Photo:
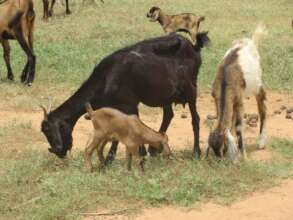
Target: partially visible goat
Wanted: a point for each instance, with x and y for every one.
(238, 75)
(17, 23)
(185, 22)
(49, 12)
(112, 125)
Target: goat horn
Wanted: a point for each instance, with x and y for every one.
(50, 104)
(45, 113)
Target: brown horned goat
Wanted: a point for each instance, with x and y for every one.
(17, 23)
(238, 76)
(112, 125)
(185, 22)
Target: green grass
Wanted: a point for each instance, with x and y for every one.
(38, 187)
(68, 47)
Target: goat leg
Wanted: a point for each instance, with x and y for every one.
(112, 153)
(6, 56)
(192, 94)
(67, 8)
(168, 114)
(26, 48)
(262, 110)
(129, 159)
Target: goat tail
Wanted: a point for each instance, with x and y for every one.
(202, 40)
(89, 110)
(259, 33)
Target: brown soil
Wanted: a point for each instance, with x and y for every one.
(275, 204)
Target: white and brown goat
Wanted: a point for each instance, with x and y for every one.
(239, 75)
(113, 125)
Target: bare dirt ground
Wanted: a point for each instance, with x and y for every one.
(275, 204)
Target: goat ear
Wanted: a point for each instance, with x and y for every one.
(45, 113)
(201, 18)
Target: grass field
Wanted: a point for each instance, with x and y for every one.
(68, 47)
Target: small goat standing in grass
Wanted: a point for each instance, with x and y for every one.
(238, 76)
(185, 22)
(112, 125)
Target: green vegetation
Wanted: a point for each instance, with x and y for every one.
(68, 47)
(38, 187)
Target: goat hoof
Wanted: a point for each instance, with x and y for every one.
(10, 77)
(153, 151)
(68, 12)
(197, 156)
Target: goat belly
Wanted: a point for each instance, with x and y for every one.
(7, 36)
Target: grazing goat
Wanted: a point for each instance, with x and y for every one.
(157, 72)
(185, 22)
(238, 76)
(113, 125)
(17, 23)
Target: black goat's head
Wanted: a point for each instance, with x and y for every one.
(58, 134)
(153, 13)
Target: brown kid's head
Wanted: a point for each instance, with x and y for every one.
(153, 13)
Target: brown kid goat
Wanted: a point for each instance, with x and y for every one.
(185, 22)
(17, 23)
(238, 76)
(113, 125)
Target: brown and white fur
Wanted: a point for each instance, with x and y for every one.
(185, 22)
(112, 125)
(239, 75)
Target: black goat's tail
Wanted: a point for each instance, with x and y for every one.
(202, 40)
(89, 110)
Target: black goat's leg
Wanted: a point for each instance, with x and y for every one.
(6, 55)
(192, 95)
(168, 114)
(67, 8)
(112, 153)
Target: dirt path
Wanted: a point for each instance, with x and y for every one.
(180, 131)
(275, 204)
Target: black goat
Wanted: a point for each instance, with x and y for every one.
(156, 72)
